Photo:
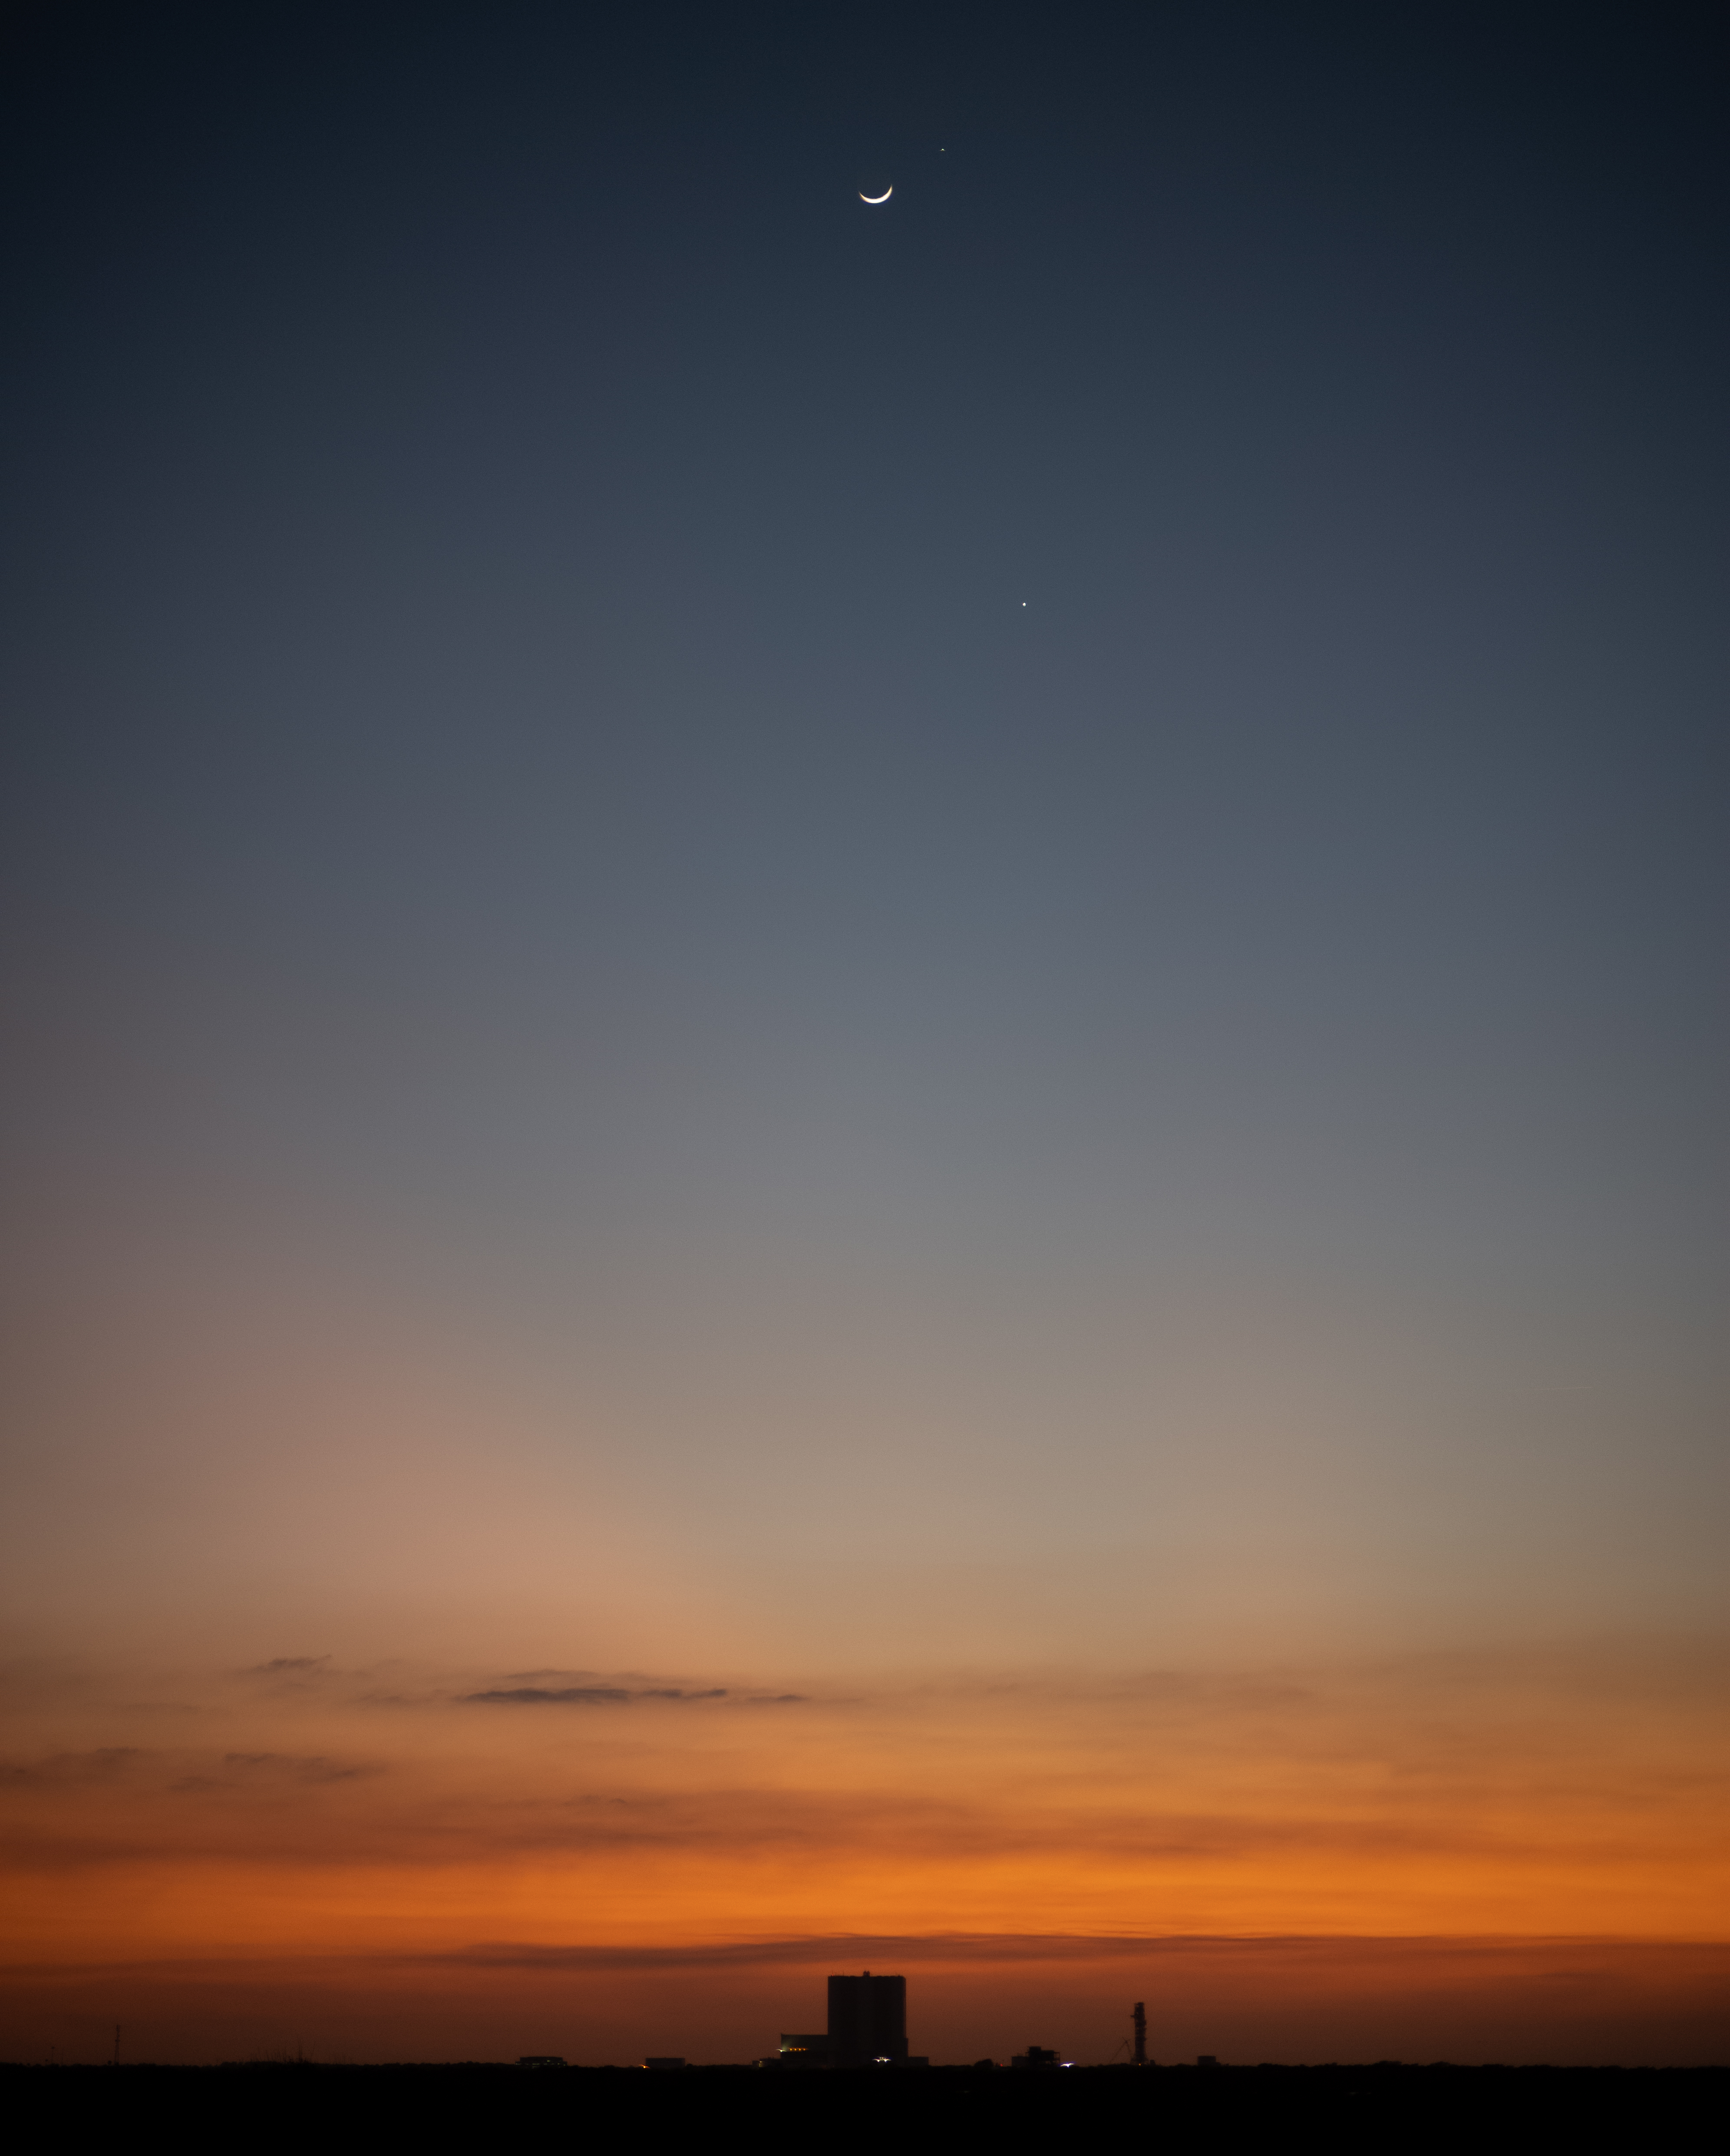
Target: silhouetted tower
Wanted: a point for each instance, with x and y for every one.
(1140, 2019)
(867, 2020)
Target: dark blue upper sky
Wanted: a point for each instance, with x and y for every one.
(654, 752)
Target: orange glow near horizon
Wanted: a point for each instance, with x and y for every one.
(298, 1821)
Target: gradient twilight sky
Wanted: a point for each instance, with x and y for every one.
(867, 1065)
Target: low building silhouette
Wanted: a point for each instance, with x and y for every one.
(867, 2027)
(1036, 2055)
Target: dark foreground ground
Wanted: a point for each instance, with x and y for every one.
(1228, 2107)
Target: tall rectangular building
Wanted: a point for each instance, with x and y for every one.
(867, 2020)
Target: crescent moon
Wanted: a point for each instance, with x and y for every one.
(883, 197)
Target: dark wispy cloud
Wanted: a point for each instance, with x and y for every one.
(1572, 1959)
(621, 1695)
(103, 1765)
(293, 1673)
(584, 1694)
(285, 1766)
(141, 1773)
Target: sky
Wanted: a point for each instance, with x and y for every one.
(865, 1063)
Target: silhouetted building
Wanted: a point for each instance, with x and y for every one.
(541, 2059)
(1036, 2055)
(1138, 2022)
(868, 2020)
(867, 2027)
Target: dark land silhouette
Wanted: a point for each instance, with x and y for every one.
(1352, 2104)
